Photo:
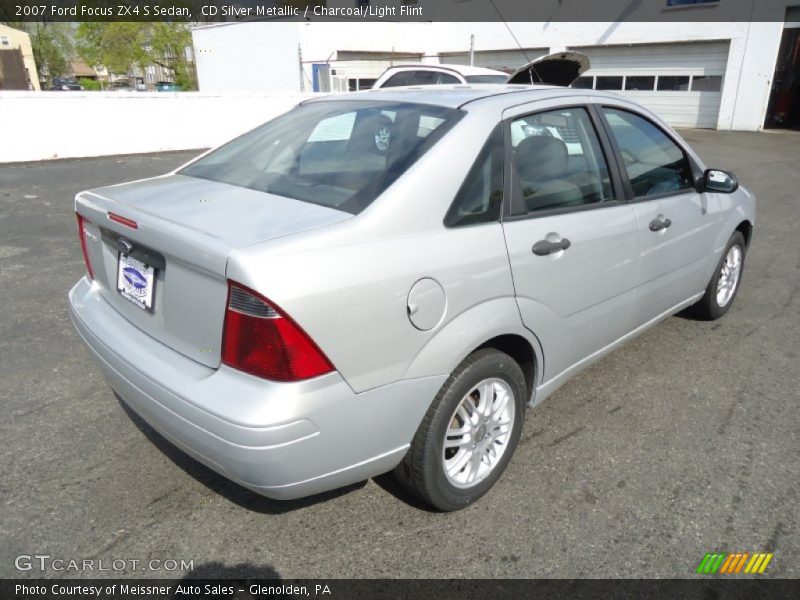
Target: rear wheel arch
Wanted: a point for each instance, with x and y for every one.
(492, 322)
(523, 353)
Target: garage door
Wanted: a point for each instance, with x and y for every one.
(680, 82)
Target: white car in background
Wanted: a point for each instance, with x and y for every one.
(560, 68)
(441, 74)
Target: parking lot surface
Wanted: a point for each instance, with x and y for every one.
(683, 442)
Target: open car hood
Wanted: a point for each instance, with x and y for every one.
(561, 68)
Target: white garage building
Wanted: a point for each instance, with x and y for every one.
(681, 81)
(695, 74)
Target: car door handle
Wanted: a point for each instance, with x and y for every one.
(545, 247)
(659, 223)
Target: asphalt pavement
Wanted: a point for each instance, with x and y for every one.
(683, 442)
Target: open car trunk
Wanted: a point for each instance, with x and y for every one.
(560, 68)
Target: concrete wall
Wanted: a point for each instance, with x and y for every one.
(46, 125)
(248, 57)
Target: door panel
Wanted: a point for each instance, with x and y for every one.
(572, 243)
(674, 259)
(676, 224)
(576, 300)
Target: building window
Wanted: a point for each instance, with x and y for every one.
(4, 41)
(355, 85)
(640, 82)
(583, 83)
(673, 83)
(706, 83)
(609, 82)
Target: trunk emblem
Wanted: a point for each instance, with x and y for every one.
(124, 246)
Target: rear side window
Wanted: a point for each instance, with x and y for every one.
(341, 154)
(481, 195)
(398, 79)
(654, 163)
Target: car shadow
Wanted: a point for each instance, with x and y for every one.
(690, 315)
(389, 484)
(234, 492)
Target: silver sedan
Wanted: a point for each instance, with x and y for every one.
(389, 279)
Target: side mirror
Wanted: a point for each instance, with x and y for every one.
(717, 180)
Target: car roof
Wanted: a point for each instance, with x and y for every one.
(456, 96)
(462, 69)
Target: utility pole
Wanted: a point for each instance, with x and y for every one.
(471, 49)
(300, 66)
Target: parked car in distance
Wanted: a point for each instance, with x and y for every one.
(167, 86)
(560, 68)
(388, 280)
(122, 85)
(65, 84)
(438, 74)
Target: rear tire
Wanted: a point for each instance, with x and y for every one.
(724, 285)
(478, 415)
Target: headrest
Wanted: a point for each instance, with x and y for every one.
(541, 157)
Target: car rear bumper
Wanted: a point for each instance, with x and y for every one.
(282, 440)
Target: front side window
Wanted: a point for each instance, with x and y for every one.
(654, 163)
(337, 154)
(558, 161)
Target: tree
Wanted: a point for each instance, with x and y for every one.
(167, 48)
(116, 46)
(122, 47)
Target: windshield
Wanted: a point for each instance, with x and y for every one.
(340, 154)
(486, 78)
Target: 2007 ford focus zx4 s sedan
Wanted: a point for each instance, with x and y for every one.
(389, 279)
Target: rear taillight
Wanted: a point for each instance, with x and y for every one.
(260, 339)
(82, 235)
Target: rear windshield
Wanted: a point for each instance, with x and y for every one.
(486, 78)
(341, 154)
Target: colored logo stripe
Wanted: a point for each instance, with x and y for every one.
(733, 563)
(758, 563)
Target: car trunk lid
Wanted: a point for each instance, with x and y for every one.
(184, 228)
(559, 68)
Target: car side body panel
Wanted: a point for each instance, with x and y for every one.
(367, 333)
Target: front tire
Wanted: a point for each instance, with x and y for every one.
(724, 285)
(467, 437)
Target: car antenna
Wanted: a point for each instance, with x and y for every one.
(532, 69)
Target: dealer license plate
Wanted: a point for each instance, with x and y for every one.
(136, 281)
